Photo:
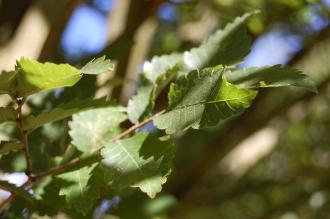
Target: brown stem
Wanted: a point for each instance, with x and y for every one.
(24, 134)
(137, 126)
(7, 200)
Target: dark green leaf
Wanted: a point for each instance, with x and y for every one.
(141, 161)
(202, 99)
(226, 47)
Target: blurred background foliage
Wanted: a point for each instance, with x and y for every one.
(270, 162)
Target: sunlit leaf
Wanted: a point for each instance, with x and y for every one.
(34, 76)
(98, 66)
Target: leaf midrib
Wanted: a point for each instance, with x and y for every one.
(209, 102)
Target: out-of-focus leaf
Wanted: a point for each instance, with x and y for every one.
(142, 161)
(16, 190)
(7, 114)
(98, 66)
(7, 82)
(140, 105)
(157, 74)
(89, 130)
(202, 99)
(158, 66)
(63, 111)
(9, 146)
(269, 76)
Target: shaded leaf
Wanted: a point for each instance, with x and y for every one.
(9, 146)
(7, 82)
(63, 111)
(226, 47)
(269, 76)
(89, 130)
(98, 66)
(7, 114)
(83, 187)
(142, 161)
(202, 99)
(16, 190)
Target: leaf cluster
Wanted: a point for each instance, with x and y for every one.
(100, 158)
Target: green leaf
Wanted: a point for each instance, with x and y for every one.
(142, 161)
(202, 99)
(34, 76)
(7, 114)
(97, 66)
(7, 82)
(16, 190)
(141, 104)
(90, 130)
(269, 76)
(157, 74)
(9, 146)
(226, 47)
(83, 189)
(63, 111)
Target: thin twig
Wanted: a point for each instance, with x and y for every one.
(137, 126)
(57, 170)
(7, 201)
(4, 203)
(24, 134)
